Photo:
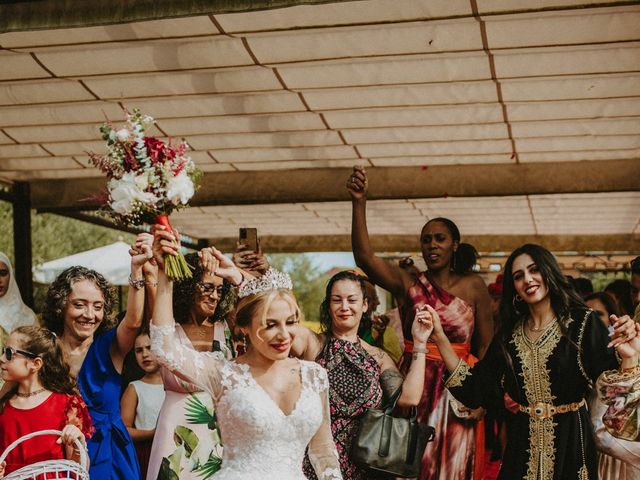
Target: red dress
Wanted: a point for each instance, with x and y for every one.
(58, 410)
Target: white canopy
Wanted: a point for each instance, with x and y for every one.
(112, 261)
(518, 120)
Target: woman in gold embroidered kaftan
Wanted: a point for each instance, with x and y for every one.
(550, 350)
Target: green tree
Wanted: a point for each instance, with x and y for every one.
(308, 281)
(54, 236)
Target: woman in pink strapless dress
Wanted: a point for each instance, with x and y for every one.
(463, 303)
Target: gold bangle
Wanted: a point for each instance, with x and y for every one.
(424, 350)
(634, 369)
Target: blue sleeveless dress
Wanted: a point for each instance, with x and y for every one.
(111, 451)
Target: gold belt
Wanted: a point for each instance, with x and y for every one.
(543, 410)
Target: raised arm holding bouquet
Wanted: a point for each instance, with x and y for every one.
(148, 178)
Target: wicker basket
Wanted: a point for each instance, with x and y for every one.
(58, 469)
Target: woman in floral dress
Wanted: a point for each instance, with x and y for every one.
(187, 442)
(361, 376)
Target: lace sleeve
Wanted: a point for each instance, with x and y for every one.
(200, 368)
(621, 393)
(322, 449)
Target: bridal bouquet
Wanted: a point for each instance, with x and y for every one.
(148, 178)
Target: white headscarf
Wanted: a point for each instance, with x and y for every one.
(13, 312)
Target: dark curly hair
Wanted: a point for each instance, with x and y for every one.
(54, 373)
(464, 258)
(60, 289)
(325, 313)
(184, 294)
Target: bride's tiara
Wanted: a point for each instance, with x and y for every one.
(271, 280)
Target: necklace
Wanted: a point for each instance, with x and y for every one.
(541, 327)
(30, 394)
(202, 328)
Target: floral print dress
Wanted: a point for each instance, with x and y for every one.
(187, 443)
(354, 387)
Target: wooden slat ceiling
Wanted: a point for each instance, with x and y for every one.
(381, 83)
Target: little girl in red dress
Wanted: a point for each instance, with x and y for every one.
(43, 397)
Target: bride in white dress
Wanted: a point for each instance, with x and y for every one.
(269, 407)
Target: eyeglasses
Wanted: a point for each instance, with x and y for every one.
(209, 288)
(10, 352)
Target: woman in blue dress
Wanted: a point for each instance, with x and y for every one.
(78, 309)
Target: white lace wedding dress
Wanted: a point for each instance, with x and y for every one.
(259, 440)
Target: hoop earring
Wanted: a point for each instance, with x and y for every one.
(516, 298)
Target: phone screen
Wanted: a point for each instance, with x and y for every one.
(249, 237)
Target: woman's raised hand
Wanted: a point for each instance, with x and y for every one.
(624, 330)
(422, 326)
(226, 268)
(208, 262)
(437, 335)
(165, 242)
(631, 348)
(141, 250)
(358, 183)
(249, 261)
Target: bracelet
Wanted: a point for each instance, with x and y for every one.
(634, 369)
(238, 285)
(424, 350)
(137, 284)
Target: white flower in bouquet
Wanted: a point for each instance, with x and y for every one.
(180, 188)
(146, 122)
(122, 196)
(123, 134)
(125, 192)
(142, 181)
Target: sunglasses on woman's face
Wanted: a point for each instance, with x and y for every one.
(208, 288)
(10, 352)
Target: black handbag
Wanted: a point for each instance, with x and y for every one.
(391, 445)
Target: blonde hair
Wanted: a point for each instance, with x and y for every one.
(257, 306)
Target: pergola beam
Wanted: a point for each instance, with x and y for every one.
(327, 184)
(47, 14)
(409, 243)
(185, 241)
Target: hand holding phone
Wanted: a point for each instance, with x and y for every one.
(249, 237)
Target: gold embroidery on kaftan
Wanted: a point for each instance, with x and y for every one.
(457, 377)
(537, 384)
(580, 335)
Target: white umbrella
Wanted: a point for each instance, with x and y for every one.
(113, 261)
